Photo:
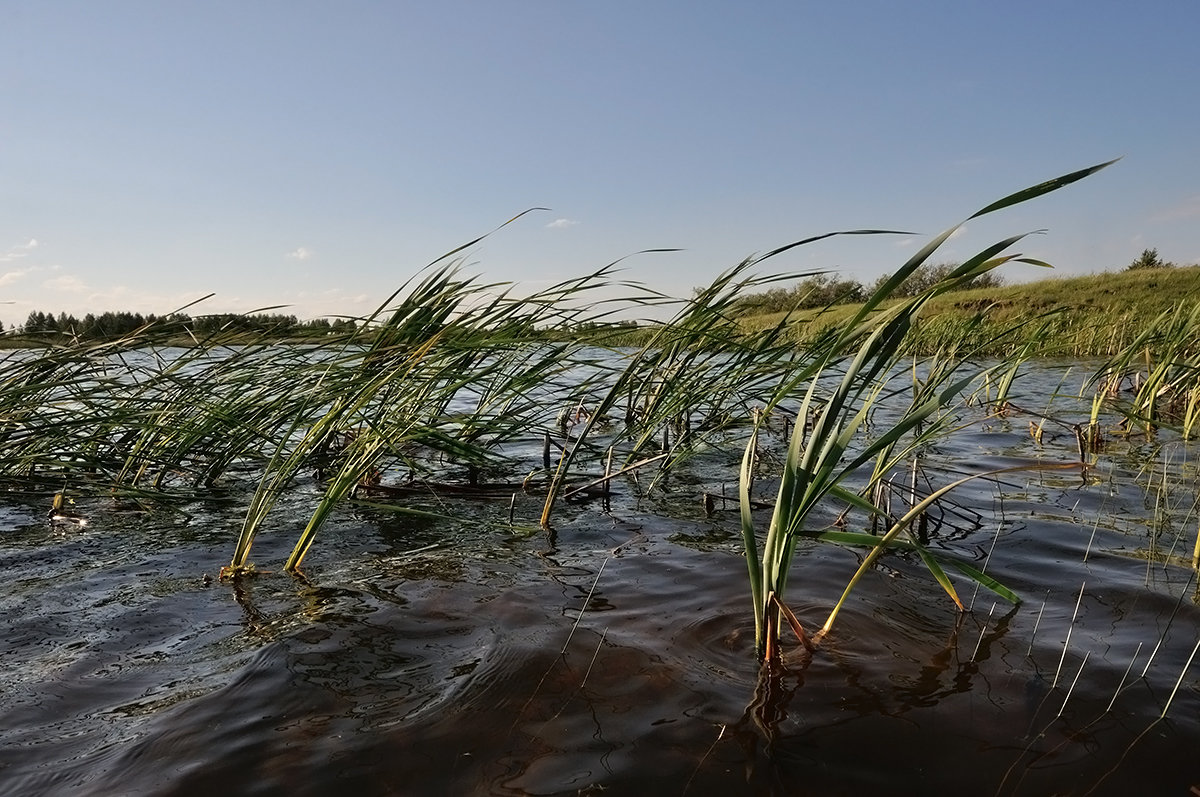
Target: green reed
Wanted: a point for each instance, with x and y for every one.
(440, 376)
(1155, 378)
(391, 405)
(449, 369)
(841, 386)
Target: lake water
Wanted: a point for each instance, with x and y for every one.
(468, 656)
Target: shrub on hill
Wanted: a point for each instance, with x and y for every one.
(1148, 259)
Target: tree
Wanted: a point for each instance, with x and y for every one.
(817, 291)
(1148, 259)
(36, 322)
(68, 324)
(926, 276)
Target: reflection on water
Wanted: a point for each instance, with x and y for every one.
(429, 657)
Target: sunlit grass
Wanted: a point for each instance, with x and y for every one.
(1095, 315)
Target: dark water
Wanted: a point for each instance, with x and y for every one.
(468, 657)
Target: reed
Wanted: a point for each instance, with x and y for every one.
(452, 372)
(449, 369)
(697, 373)
(840, 387)
(441, 376)
(1161, 367)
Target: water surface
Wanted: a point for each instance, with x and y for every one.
(467, 656)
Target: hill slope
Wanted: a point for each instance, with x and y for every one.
(1095, 314)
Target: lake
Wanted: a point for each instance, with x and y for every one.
(468, 655)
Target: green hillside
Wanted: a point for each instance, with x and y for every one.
(1090, 315)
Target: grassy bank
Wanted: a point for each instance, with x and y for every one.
(1094, 315)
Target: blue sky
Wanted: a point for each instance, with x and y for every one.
(318, 154)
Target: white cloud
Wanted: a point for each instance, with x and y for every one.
(12, 276)
(67, 284)
(18, 251)
(561, 224)
(300, 253)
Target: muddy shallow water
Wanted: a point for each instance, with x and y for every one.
(465, 656)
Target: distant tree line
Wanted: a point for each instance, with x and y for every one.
(112, 325)
(604, 326)
(823, 290)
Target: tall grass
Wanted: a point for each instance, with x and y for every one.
(1155, 378)
(440, 377)
(841, 386)
(450, 371)
(694, 377)
(454, 371)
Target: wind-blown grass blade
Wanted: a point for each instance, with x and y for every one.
(862, 352)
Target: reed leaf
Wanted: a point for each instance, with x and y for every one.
(906, 520)
(865, 350)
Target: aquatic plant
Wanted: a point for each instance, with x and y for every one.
(441, 376)
(688, 382)
(449, 369)
(822, 458)
(1160, 368)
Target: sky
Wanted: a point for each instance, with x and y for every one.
(317, 155)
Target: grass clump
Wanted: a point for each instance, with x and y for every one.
(841, 386)
(449, 374)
